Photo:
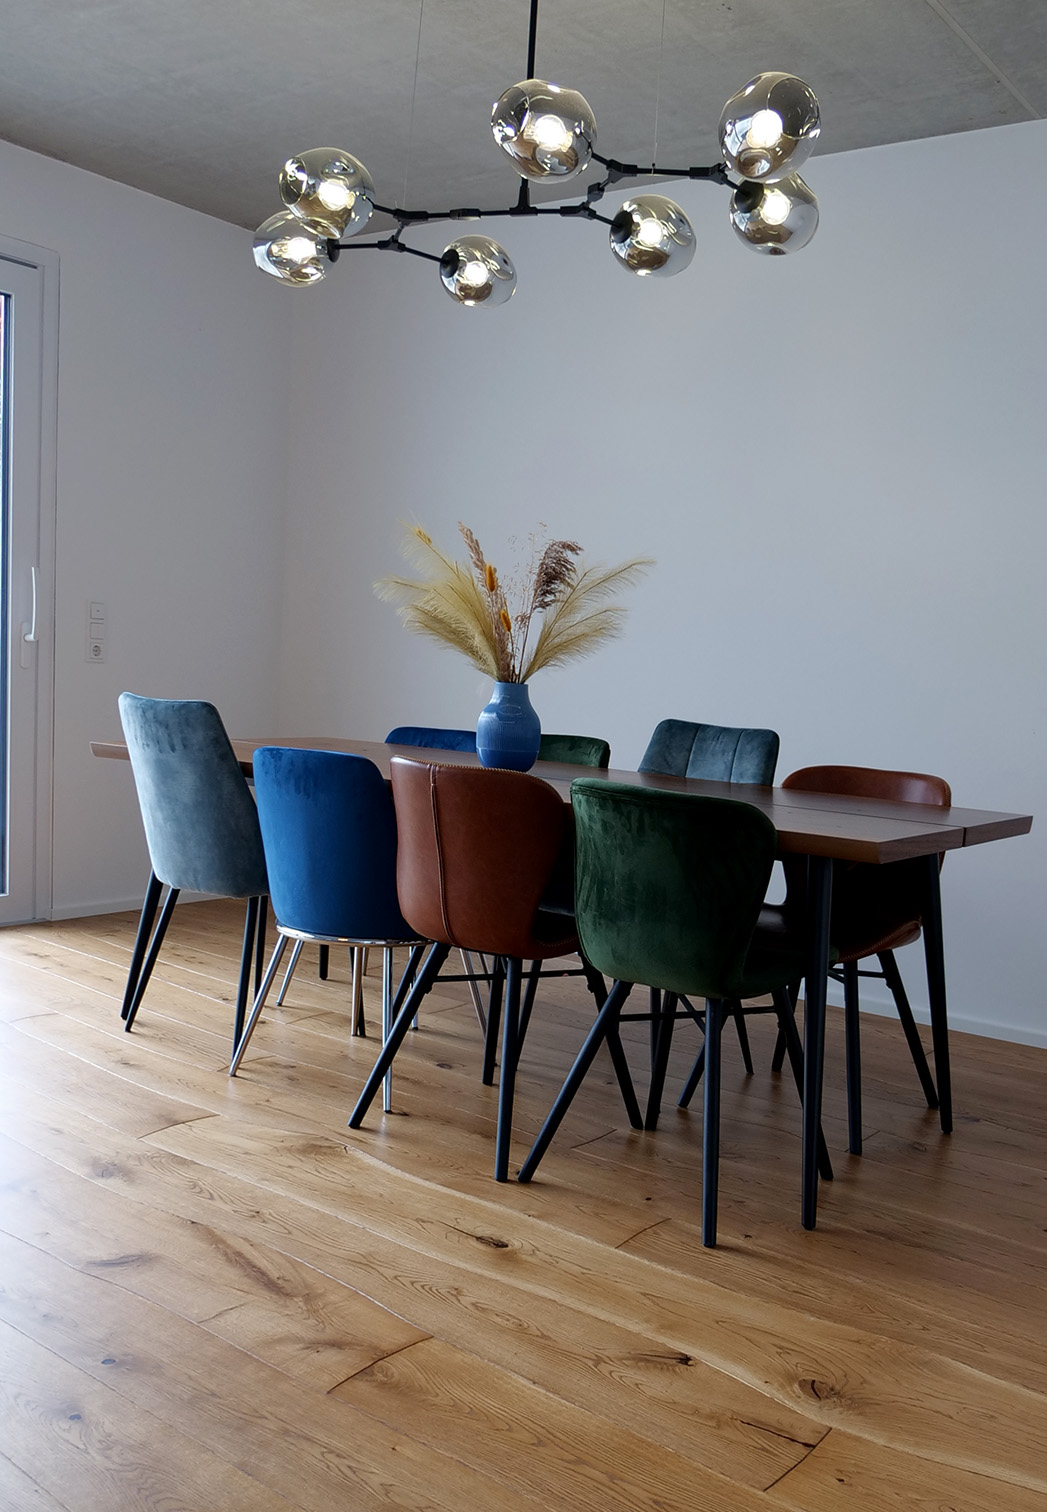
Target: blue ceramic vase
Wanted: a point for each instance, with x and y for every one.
(508, 732)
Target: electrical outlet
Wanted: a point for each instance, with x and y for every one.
(96, 617)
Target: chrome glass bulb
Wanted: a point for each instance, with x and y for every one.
(476, 271)
(769, 128)
(291, 249)
(651, 235)
(775, 218)
(548, 132)
(330, 187)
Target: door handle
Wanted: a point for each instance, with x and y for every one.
(29, 635)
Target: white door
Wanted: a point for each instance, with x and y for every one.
(28, 374)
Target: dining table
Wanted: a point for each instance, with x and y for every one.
(822, 827)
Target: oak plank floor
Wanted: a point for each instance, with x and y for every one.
(212, 1293)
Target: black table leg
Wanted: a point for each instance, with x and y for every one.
(934, 953)
(819, 900)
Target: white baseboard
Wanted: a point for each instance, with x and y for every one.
(117, 905)
(875, 998)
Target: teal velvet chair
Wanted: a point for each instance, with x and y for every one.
(329, 831)
(201, 827)
(668, 893)
(718, 753)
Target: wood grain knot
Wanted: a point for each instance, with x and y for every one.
(491, 1242)
(822, 1391)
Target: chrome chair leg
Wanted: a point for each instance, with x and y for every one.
(289, 973)
(259, 1004)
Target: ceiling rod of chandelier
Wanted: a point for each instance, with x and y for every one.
(767, 131)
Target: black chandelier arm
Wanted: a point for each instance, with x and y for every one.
(715, 173)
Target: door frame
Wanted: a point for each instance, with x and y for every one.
(36, 900)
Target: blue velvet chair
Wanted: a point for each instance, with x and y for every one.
(432, 738)
(201, 827)
(329, 831)
(719, 753)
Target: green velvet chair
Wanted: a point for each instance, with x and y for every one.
(575, 750)
(718, 753)
(668, 892)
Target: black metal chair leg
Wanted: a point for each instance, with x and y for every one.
(606, 1019)
(401, 1023)
(511, 1040)
(853, 1040)
(259, 944)
(325, 961)
(691, 1085)
(529, 997)
(662, 1028)
(243, 989)
(743, 1040)
(893, 977)
(145, 925)
(494, 1012)
(790, 1037)
(778, 1058)
(714, 1011)
(616, 1050)
(150, 960)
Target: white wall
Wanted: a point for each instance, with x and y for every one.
(836, 460)
(171, 486)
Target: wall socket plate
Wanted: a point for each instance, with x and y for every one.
(96, 626)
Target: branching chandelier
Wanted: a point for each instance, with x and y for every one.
(767, 132)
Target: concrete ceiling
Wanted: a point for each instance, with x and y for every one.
(200, 101)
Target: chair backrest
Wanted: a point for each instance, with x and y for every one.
(872, 782)
(718, 753)
(477, 847)
(330, 842)
(869, 902)
(668, 886)
(575, 750)
(200, 820)
(433, 738)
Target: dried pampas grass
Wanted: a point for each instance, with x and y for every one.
(470, 609)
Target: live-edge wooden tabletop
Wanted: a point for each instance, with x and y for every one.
(811, 824)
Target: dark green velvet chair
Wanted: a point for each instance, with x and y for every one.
(575, 750)
(668, 892)
(201, 827)
(718, 753)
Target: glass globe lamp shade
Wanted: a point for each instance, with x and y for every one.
(769, 128)
(291, 249)
(650, 235)
(775, 218)
(329, 187)
(547, 132)
(476, 271)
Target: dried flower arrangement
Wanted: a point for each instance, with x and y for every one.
(469, 608)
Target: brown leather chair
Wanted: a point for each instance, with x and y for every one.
(875, 910)
(476, 849)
